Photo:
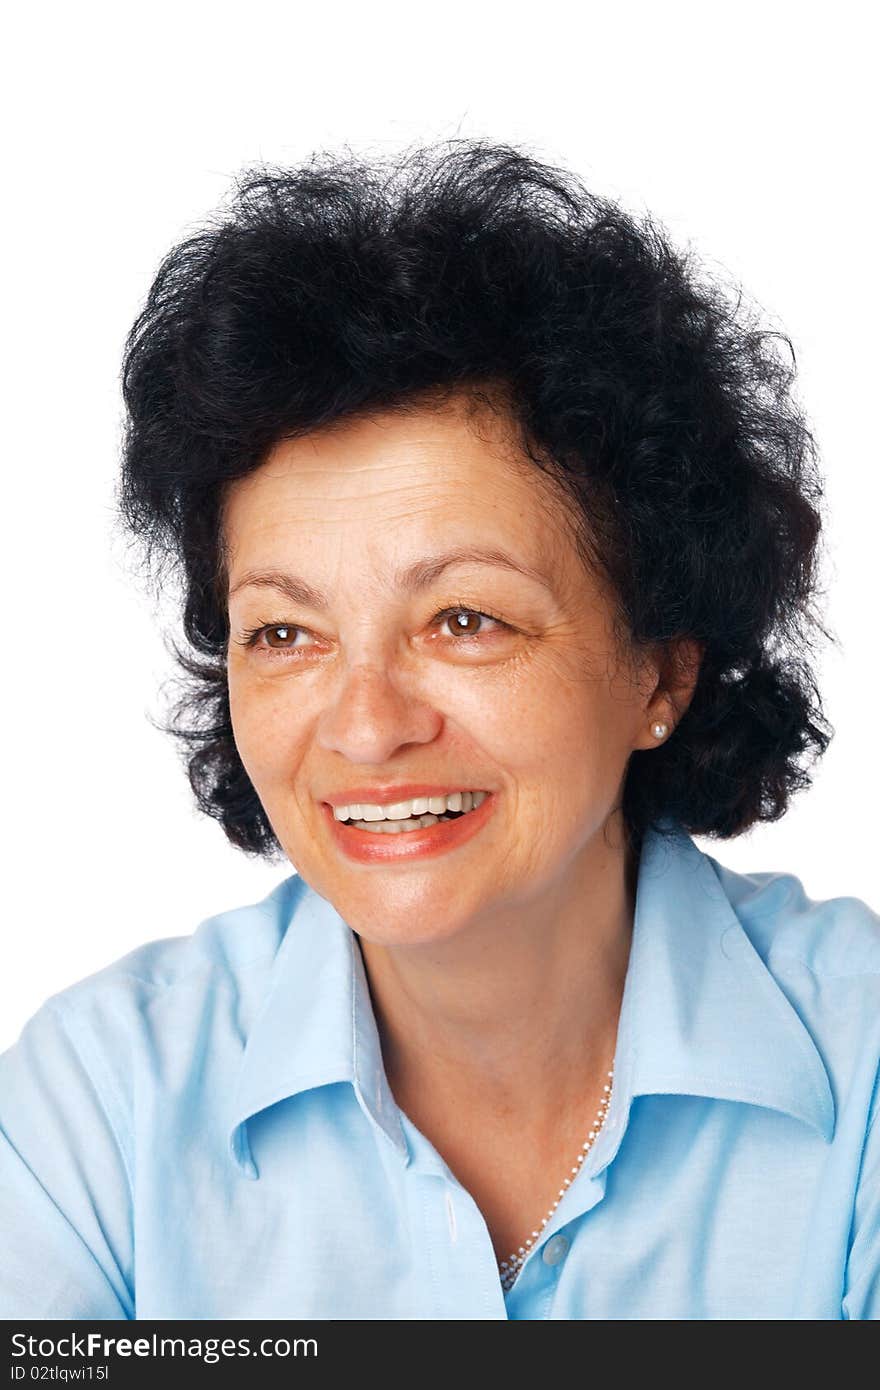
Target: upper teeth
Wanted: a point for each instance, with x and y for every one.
(417, 806)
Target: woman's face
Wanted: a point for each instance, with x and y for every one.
(369, 682)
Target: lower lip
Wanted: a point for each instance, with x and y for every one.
(371, 846)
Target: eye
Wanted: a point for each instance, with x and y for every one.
(286, 632)
(466, 621)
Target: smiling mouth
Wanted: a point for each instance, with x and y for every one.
(400, 827)
(387, 826)
(422, 833)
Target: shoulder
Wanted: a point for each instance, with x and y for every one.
(127, 1042)
(831, 937)
(223, 950)
(161, 994)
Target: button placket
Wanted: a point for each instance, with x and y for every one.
(450, 1216)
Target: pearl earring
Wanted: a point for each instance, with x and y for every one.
(659, 730)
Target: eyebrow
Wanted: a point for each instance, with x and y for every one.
(411, 580)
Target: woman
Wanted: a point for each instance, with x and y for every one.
(498, 532)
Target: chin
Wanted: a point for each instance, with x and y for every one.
(401, 914)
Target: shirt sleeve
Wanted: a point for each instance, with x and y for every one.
(862, 1285)
(65, 1190)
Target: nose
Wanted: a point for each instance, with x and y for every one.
(371, 717)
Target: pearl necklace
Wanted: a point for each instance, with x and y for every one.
(510, 1268)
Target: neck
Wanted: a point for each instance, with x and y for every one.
(517, 1014)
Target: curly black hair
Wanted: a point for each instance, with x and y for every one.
(664, 409)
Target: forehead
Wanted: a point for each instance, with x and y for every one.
(424, 475)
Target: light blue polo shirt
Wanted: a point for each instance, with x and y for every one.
(204, 1129)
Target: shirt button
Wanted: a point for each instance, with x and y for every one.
(556, 1250)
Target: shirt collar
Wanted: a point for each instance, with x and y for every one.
(316, 1025)
(701, 1014)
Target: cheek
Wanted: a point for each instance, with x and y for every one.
(544, 723)
(266, 729)
(562, 743)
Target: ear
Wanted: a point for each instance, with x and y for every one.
(678, 667)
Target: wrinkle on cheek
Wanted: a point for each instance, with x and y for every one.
(526, 860)
(549, 667)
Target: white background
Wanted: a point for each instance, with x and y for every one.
(747, 129)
